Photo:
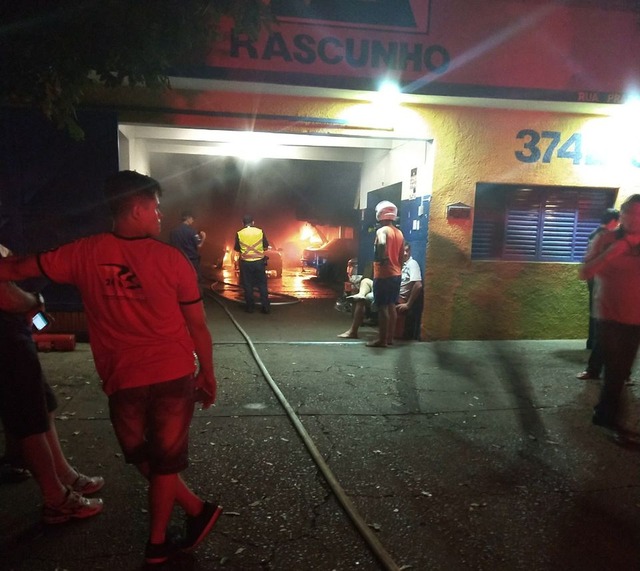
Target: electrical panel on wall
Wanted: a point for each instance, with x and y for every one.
(414, 221)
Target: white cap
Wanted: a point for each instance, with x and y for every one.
(386, 210)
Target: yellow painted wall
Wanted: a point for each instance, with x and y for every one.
(467, 299)
(463, 299)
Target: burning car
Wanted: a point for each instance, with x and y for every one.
(274, 261)
(330, 260)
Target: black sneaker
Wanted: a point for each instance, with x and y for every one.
(156, 553)
(10, 474)
(599, 421)
(199, 526)
(619, 431)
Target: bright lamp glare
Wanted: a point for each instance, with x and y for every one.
(388, 94)
(613, 141)
(632, 109)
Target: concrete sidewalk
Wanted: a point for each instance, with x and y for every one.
(458, 455)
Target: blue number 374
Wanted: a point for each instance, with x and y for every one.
(544, 145)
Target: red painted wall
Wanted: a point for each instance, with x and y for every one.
(534, 49)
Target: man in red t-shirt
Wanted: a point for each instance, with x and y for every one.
(387, 271)
(614, 260)
(146, 326)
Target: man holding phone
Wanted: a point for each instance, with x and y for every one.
(27, 406)
(40, 320)
(146, 326)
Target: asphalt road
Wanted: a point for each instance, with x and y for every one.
(455, 455)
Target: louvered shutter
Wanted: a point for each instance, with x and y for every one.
(484, 238)
(522, 224)
(488, 222)
(547, 224)
(559, 216)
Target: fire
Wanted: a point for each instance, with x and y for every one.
(310, 234)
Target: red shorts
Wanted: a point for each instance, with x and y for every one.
(152, 424)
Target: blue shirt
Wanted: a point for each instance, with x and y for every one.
(186, 239)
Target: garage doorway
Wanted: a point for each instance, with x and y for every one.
(354, 166)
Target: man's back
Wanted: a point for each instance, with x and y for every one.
(250, 242)
(185, 238)
(132, 290)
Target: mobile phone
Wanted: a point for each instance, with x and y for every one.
(40, 321)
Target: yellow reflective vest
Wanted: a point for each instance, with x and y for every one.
(251, 244)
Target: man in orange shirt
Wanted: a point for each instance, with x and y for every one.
(387, 271)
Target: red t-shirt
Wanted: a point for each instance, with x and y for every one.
(132, 290)
(394, 248)
(617, 286)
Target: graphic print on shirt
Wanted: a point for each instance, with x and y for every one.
(119, 281)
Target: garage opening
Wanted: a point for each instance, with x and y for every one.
(305, 191)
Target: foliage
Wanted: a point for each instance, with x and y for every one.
(52, 50)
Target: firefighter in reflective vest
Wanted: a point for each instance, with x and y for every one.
(251, 243)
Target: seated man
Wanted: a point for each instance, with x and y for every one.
(362, 300)
(408, 302)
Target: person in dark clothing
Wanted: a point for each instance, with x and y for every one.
(608, 222)
(187, 239)
(27, 405)
(614, 260)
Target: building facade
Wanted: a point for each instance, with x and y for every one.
(513, 128)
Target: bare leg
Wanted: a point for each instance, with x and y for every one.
(65, 472)
(37, 455)
(383, 326)
(358, 318)
(391, 327)
(162, 497)
(165, 490)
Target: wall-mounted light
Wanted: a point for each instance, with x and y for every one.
(388, 94)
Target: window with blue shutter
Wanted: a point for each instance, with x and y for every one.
(536, 223)
(559, 217)
(522, 225)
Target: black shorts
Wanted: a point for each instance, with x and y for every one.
(386, 290)
(26, 399)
